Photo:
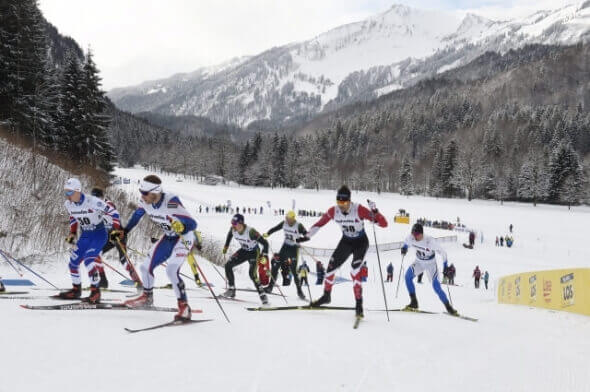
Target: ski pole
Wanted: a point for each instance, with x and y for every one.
(401, 271)
(12, 265)
(113, 268)
(28, 269)
(379, 262)
(207, 283)
(212, 293)
(124, 249)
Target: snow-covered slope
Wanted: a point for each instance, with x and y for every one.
(357, 61)
(510, 348)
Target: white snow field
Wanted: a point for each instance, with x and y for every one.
(510, 348)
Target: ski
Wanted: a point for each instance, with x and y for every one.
(295, 307)
(462, 317)
(426, 312)
(107, 290)
(231, 299)
(13, 293)
(89, 306)
(168, 324)
(70, 306)
(256, 291)
(357, 321)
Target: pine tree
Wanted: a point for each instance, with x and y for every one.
(435, 184)
(467, 175)
(406, 177)
(449, 164)
(563, 162)
(532, 184)
(95, 121)
(74, 142)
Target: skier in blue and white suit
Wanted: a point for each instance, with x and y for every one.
(165, 210)
(426, 249)
(88, 212)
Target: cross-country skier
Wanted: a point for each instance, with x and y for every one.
(249, 251)
(87, 212)
(426, 248)
(117, 239)
(349, 216)
(289, 253)
(167, 211)
(303, 271)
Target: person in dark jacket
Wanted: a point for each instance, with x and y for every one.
(389, 273)
(320, 272)
(477, 276)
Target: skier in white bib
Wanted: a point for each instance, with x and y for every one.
(426, 249)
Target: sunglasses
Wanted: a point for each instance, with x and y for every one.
(342, 202)
(235, 223)
(69, 192)
(145, 193)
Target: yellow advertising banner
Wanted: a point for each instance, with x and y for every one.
(565, 289)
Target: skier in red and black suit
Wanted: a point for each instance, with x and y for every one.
(349, 216)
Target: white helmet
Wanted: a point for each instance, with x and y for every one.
(73, 184)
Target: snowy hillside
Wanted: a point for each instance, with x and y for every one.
(510, 348)
(358, 61)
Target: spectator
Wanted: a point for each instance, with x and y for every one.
(486, 278)
(452, 272)
(320, 272)
(477, 276)
(501, 241)
(511, 227)
(471, 239)
(389, 273)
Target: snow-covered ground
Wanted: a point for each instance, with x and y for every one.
(511, 348)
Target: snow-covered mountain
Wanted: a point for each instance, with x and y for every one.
(358, 61)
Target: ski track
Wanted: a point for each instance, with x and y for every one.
(510, 348)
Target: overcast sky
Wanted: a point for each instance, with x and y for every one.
(138, 40)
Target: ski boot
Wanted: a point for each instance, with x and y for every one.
(145, 299)
(263, 298)
(230, 292)
(198, 280)
(324, 299)
(451, 310)
(413, 305)
(94, 297)
(301, 295)
(359, 308)
(268, 289)
(74, 293)
(184, 311)
(104, 283)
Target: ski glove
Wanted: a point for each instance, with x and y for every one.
(265, 235)
(116, 235)
(154, 240)
(404, 250)
(177, 226)
(71, 238)
(302, 239)
(224, 250)
(372, 206)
